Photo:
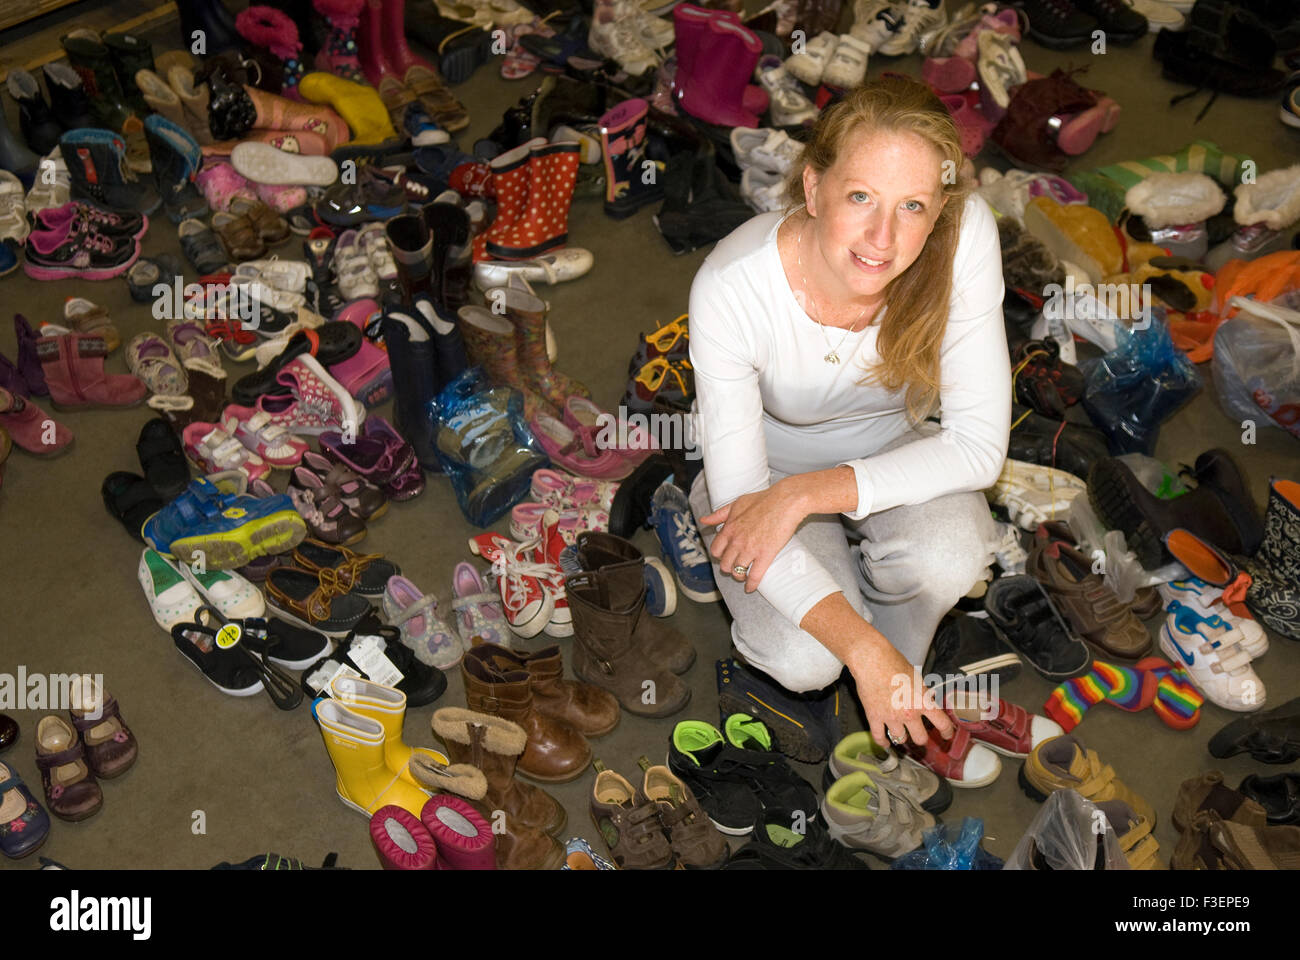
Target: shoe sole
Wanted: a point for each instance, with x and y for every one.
(263, 163)
(1287, 117)
(670, 593)
(462, 54)
(1031, 791)
(789, 737)
(225, 551)
(1110, 494)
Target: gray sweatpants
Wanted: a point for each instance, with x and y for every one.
(912, 565)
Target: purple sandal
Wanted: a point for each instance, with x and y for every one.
(379, 455)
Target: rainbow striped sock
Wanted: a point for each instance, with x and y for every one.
(1126, 687)
(1070, 701)
(1177, 702)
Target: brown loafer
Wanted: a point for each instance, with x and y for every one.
(1086, 602)
(239, 236)
(71, 792)
(314, 600)
(271, 227)
(111, 747)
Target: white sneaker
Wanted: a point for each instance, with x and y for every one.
(919, 18)
(762, 189)
(356, 279)
(788, 106)
(233, 596)
(52, 187)
(13, 209)
(287, 275)
(1210, 650)
(880, 29)
(1000, 66)
(172, 599)
(655, 32)
(1033, 494)
(769, 150)
(375, 244)
(1009, 552)
(1207, 601)
(809, 66)
(848, 66)
(620, 40)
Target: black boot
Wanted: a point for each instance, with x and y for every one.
(14, 155)
(68, 101)
(449, 226)
(412, 247)
(40, 129)
(211, 19)
(412, 363)
(448, 344)
(94, 64)
(1052, 443)
(97, 169)
(130, 55)
(176, 160)
(631, 180)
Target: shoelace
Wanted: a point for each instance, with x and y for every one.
(510, 568)
(687, 539)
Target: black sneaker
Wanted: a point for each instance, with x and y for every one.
(1067, 446)
(1270, 737)
(732, 783)
(1121, 22)
(804, 727)
(421, 683)
(291, 646)
(967, 646)
(1023, 616)
(1058, 24)
(780, 844)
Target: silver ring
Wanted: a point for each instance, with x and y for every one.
(897, 740)
(739, 571)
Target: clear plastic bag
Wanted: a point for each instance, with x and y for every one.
(1132, 390)
(1121, 570)
(948, 846)
(1069, 833)
(484, 445)
(1257, 363)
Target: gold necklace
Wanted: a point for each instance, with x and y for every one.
(832, 356)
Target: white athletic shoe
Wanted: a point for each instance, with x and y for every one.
(1210, 650)
(1032, 494)
(1207, 601)
(919, 18)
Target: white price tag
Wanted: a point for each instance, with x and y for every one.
(368, 654)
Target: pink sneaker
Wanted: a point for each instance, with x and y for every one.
(562, 491)
(1006, 21)
(366, 374)
(566, 449)
(213, 450)
(526, 520)
(281, 197)
(254, 429)
(221, 184)
(317, 402)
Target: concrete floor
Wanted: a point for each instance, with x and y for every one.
(261, 776)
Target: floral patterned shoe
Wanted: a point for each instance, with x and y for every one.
(71, 791)
(562, 490)
(24, 824)
(478, 608)
(526, 521)
(111, 747)
(426, 633)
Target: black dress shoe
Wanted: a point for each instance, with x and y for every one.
(1278, 795)
(1053, 443)
(8, 731)
(1269, 737)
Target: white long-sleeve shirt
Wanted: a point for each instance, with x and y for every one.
(766, 398)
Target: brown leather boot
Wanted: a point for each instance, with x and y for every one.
(589, 710)
(523, 803)
(555, 752)
(493, 745)
(610, 648)
(624, 564)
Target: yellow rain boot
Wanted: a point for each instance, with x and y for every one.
(355, 744)
(387, 706)
(359, 106)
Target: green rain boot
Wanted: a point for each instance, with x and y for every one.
(129, 55)
(94, 64)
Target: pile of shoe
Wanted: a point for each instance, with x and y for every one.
(1225, 829)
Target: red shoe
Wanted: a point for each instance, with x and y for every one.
(544, 223)
(1013, 731)
(527, 602)
(547, 552)
(29, 427)
(961, 761)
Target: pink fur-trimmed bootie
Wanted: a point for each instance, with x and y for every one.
(273, 39)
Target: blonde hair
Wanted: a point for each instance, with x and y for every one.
(913, 328)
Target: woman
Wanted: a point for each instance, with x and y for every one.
(821, 341)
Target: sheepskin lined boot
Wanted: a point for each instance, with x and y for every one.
(589, 710)
(271, 37)
(530, 815)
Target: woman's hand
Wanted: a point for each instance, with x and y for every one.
(753, 528)
(895, 706)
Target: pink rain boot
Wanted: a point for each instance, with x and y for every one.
(339, 54)
(713, 87)
(370, 44)
(691, 24)
(399, 55)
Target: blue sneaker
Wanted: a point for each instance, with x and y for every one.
(679, 537)
(660, 591)
(8, 258)
(225, 530)
(421, 128)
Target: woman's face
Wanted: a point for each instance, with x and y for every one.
(875, 207)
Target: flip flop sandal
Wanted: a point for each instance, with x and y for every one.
(151, 360)
(330, 343)
(131, 499)
(162, 458)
